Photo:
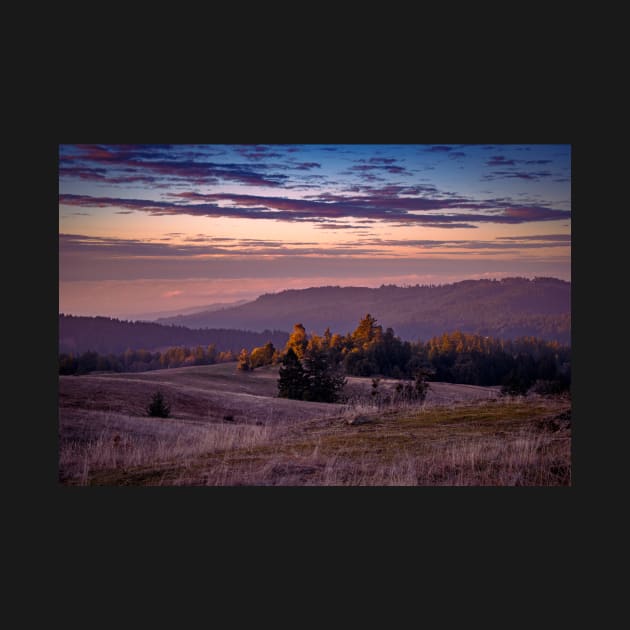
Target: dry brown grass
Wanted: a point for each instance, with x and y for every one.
(475, 439)
(530, 459)
(114, 449)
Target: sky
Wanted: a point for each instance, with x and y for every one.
(149, 230)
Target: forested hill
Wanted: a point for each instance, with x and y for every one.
(105, 335)
(508, 308)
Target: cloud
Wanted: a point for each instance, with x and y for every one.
(339, 226)
(239, 269)
(92, 174)
(118, 164)
(375, 160)
(256, 152)
(193, 247)
(449, 225)
(439, 149)
(390, 190)
(537, 237)
(84, 257)
(170, 294)
(534, 176)
(461, 244)
(81, 253)
(500, 160)
(393, 209)
(365, 168)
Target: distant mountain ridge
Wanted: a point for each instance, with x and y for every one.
(107, 335)
(160, 315)
(507, 308)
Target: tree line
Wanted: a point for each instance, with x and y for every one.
(517, 365)
(314, 367)
(106, 335)
(142, 360)
(507, 308)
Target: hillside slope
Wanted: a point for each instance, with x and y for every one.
(500, 308)
(106, 335)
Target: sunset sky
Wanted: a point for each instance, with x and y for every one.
(152, 229)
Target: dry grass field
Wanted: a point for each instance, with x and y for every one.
(228, 428)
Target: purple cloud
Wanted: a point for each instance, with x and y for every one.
(131, 158)
(533, 176)
(392, 209)
(537, 237)
(500, 160)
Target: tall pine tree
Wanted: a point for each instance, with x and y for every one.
(292, 382)
(324, 382)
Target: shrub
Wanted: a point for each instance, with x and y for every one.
(158, 408)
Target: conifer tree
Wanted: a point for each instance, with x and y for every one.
(324, 382)
(292, 381)
(158, 407)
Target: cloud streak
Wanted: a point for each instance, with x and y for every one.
(393, 209)
(149, 164)
(263, 212)
(76, 247)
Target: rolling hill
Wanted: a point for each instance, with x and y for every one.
(507, 308)
(106, 335)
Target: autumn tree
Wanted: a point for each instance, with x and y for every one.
(226, 357)
(366, 331)
(297, 341)
(262, 355)
(243, 361)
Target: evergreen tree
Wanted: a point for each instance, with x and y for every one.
(324, 382)
(292, 381)
(158, 407)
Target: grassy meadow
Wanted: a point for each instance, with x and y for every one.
(229, 428)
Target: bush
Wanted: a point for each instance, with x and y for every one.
(415, 390)
(158, 408)
(550, 387)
